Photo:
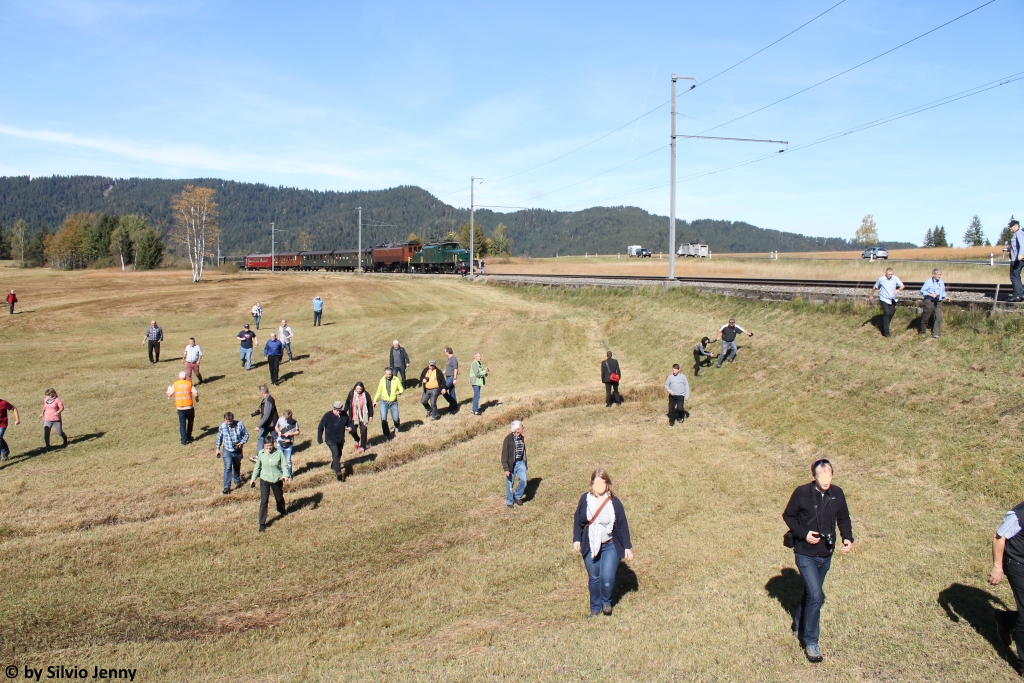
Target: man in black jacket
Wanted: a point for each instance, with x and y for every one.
(267, 412)
(398, 360)
(332, 430)
(813, 511)
(432, 381)
(513, 462)
(1008, 559)
(610, 367)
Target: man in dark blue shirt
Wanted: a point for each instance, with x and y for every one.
(274, 352)
(246, 339)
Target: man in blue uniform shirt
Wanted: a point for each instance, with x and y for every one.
(934, 292)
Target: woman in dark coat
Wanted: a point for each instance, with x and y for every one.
(600, 533)
(359, 408)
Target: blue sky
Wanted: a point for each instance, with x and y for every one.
(372, 95)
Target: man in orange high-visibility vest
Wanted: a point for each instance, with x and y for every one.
(185, 397)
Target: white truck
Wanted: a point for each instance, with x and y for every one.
(694, 250)
(638, 251)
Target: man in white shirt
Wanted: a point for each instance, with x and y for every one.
(257, 313)
(191, 360)
(285, 334)
(887, 287)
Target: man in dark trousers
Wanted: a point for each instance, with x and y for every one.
(611, 376)
(934, 292)
(678, 388)
(398, 360)
(267, 414)
(451, 376)
(433, 385)
(513, 462)
(274, 352)
(332, 430)
(1008, 559)
(701, 355)
(1016, 261)
(727, 335)
(12, 299)
(888, 287)
(154, 335)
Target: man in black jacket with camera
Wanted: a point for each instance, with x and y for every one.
(813, 511)
(610, 377)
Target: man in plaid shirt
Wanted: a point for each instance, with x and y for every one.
(191, 359)
(231, 436)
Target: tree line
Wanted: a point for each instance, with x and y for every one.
(83, 240)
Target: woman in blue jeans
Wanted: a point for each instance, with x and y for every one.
(600, 533)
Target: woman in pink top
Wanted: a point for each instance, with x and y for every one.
(53, 409)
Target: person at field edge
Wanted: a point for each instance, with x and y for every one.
(332, 430)
(256, 313)
(359, 408)
(231, 438)
(600, 533)
(193, 354)
(287, 428)
(812, 514)
(934, 292)
(154, 335)
(477, 378)
(398, 360)
(433, 385)
(267, 413)
(388, 390)
(513, 462)
(678, 388)
(1008, 560)
(611, 375)
(887, 286)
(701, 355)
(53, 418)
(1016, 260)
(451, 376)
(727, 335)
(246, 340)
(185, 397)
(286, 334)
(12, 299)
(318, 310)
(274, 352)
(5, 451)
(270, 473)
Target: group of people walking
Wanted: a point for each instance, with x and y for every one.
(933, 293)
(52, 416)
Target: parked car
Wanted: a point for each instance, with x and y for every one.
(875, 252)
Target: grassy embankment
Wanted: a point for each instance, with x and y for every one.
(121, 551)
(747, 266)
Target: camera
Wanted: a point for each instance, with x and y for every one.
(254, 413)
(830, 541)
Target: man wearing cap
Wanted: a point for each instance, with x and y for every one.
(246, 339)
(398, 360)
(887, 287)
(727, 335)
(1016, 260)
(388, 391)
(154, 335)
(185, 397)
(934, 292)
(332, 430)
(432, 381)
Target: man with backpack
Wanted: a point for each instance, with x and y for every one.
(610, 377)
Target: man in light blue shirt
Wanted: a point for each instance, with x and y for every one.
(934, 292)
(318, 310)
(887, 286)
(1016, 260)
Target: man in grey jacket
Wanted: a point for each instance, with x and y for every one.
(267, 412)
(398, 360)
(678, 389)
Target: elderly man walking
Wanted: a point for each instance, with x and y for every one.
(332, 431)
(231, 436)
(678, 388)
(285, 335)
(433, 385)
(887, 286)
(193, 354)
(185, 397)
(477, 378)
(934, 292)
(611, 375)
(513, 462)
(388, 390)
(1016, 260)
(154, 335)
(398, 360)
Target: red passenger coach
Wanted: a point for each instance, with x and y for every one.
(257, 262)
(291, 261)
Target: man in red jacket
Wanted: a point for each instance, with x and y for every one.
(12, 299)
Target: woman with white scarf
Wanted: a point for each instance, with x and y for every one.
(360, 410)
(600, 533)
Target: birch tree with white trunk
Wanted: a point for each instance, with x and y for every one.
(195, 224)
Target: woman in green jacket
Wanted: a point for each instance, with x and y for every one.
(477, 378)
(270, 472)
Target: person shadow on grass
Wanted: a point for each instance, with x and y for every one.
(976, 606)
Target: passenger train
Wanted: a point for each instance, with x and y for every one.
(400, 257)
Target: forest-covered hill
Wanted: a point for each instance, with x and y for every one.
(329, 218)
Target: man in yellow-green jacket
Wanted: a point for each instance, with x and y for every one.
(270, 472)
(387, 395)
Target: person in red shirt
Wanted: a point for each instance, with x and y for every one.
(12, 299)
(5, 452)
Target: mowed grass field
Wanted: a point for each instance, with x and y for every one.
(121, 551)
(728, 265)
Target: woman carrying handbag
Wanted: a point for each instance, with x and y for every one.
(600, 533)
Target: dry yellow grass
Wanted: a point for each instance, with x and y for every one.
(121, 550)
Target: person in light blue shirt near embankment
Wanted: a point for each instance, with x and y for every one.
(318, 310)
(934, 292)
(887, 286)
(1016, 260)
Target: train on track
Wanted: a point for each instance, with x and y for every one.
(400, 257)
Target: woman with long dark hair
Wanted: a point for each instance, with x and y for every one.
(600, 533)
(360, 411)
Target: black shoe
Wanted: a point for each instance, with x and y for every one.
(671, 423)
(607, 610)
(262, 529)
(226, 491)
(1004, 633)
